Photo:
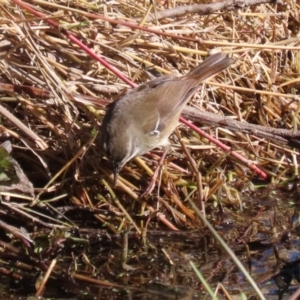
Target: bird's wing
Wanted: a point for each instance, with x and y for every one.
(157, 102)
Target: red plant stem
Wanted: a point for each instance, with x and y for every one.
(224, 147)
(76, 41)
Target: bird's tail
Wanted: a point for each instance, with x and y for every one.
(210, 67)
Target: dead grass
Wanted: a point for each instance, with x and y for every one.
(58, 148)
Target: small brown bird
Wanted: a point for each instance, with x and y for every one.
(145, 116)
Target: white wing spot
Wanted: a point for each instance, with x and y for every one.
(155, 132)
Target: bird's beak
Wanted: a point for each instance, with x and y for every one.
(116, 175)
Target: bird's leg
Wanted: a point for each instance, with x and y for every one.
(151, 185)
